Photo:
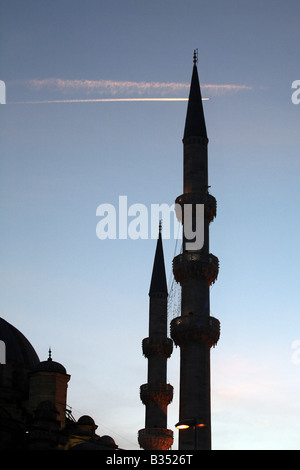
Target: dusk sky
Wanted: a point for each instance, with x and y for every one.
(64, 152)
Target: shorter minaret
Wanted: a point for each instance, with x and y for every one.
(157, 348)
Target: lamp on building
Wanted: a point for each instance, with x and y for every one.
(191, 423)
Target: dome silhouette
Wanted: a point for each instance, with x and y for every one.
(17, 347)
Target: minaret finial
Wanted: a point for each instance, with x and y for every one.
(49, 358)
(195, 59)
(160, 227)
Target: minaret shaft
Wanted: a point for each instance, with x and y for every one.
(195, 171)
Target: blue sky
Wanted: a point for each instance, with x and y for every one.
(88, 298)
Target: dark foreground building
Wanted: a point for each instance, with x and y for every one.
(33, 402)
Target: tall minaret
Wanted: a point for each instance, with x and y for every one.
(157, 348)
(195, 331)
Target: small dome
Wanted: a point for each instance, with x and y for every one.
(86, 421)
(50, 366)
(17, 348)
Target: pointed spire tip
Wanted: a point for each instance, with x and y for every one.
(158, 279)
(195, 121)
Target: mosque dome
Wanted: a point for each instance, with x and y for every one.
(17, 348)
(86, 420)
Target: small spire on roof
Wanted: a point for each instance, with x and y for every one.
(49, 358)
(160, 227)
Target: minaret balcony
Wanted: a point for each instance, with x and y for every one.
(160, 393)
(189, 328)
(195, 265)
(155, 438)
(209, 201)
(157, 346)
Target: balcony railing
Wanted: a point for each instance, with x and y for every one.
(209, 201)
(157, 345)
(156, 392)
(196, 264)
(189, 327)
(155, 438)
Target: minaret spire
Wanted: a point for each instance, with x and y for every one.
(195, 122)
(158, 280)
(157, 348)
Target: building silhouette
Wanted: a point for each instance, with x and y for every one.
(33, 394)
(33, 402)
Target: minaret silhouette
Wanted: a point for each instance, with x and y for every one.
(195, 331)
(157, 348)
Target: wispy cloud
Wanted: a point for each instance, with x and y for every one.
(221, 89)
(113, 88)
(106, 87)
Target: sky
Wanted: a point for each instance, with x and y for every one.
(65, 152)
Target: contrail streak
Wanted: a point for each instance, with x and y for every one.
(96, 100)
